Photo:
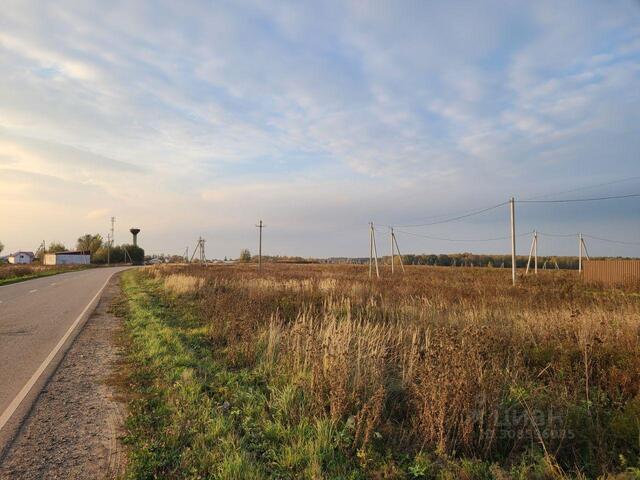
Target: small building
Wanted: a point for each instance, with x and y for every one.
(68, 258)
(21, 258)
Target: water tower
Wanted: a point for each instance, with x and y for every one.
(134, 232)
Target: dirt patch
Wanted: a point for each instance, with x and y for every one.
(73, 429)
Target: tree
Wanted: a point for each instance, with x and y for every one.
(89, 243)
(245, 255)
(1, 247)
(118, 255)
(55, 247)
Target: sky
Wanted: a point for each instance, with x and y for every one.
(190, 119)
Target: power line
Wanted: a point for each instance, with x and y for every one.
(571, 200)
(564, 235)
(453, 219)
(611, 241)
(557, 234)
(463, 239)
(588, 187)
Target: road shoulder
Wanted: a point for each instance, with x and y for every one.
(73, 428)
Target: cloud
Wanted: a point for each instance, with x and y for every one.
(99, 213)
(187, 117)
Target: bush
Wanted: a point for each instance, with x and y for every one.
(245, 255)
(118, 255)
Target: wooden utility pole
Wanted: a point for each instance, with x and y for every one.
(260, 227)
(512, 208)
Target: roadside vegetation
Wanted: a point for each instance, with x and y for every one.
(19, 273)
(317, 372)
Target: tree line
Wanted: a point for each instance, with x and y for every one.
(99, 250)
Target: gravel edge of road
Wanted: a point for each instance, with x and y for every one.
(74, 427)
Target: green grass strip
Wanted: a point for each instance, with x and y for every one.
(31, 276)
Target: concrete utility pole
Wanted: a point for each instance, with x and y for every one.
(260, 226)
(186, 254)
(395, 240)
(392, 250)
(108, 248)
(512, 209)
(199, 250)
(370, 249)
(373, 251)
(203, 257)
(535, 250)
(113, 221)
(582, 251)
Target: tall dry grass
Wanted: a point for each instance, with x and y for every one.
(449, 360)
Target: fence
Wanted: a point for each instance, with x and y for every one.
(612, 272)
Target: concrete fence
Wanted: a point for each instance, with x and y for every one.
(612, 272)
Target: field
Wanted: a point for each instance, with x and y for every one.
(317, 372)
(18, 273)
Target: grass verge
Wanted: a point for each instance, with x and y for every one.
(32, 274)
(192, 417)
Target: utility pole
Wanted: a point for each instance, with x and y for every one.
(582, 251)
(199, 249)
(584, 248)
(512, 209)
(392, 250)
(373, 251)
(260, 226)
(535, 250)
(370, 249)
(186, 254)
(110, 241)
(395, 240)
(203, 258)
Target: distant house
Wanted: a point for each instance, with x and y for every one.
(21, 258)
(68, 258)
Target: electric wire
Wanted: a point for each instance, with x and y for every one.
(453, 219)
(588, 187)
(558, 234)
(573, 200)
(610, 240)
(462, 239)
(585, 235)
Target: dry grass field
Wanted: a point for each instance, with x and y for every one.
(317, 372)
(16, 273)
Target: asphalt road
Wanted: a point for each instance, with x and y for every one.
(38, 321)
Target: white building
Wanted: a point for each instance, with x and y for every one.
(67, 258)
(21, 258)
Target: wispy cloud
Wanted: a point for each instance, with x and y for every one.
(192, 117)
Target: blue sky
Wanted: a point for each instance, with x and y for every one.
(199, 118)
